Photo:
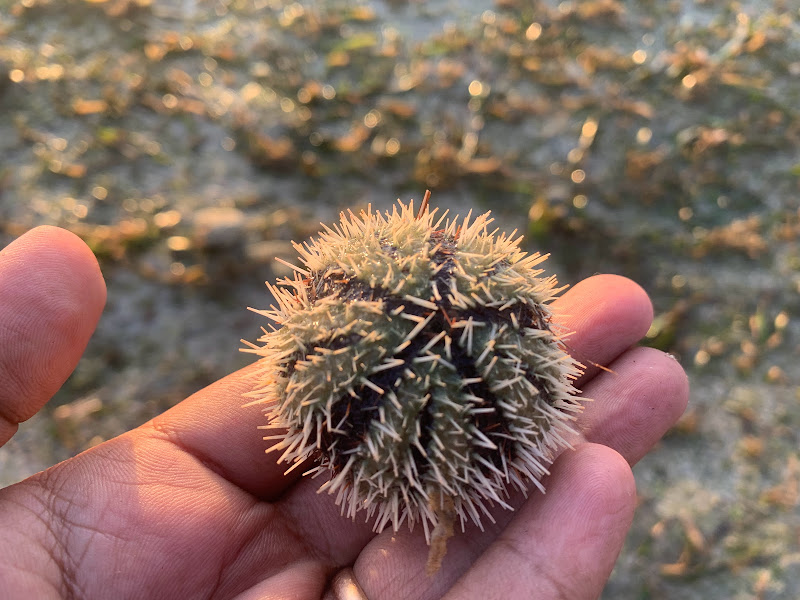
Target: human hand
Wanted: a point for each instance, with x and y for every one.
(189, 506)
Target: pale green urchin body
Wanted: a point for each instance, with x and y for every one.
(416, 363)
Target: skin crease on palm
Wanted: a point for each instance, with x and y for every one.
(189, 506)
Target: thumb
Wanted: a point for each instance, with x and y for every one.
(51, 297)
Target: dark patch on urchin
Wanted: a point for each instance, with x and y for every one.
(362, 413)
(494, 424)
(389, 248)
(426, 420)
(351, 418)
(336, 342)
(444, 248)
(362, 410)
(335, 282)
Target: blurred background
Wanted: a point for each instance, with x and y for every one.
(188, 141)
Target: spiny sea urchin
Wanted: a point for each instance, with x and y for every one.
(416, 363)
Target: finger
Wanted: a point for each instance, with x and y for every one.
(635, 404)
(607, 314)
(565, 545)
(51, 297)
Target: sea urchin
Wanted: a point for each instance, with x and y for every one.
(415, 362)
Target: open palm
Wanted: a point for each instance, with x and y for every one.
(189, 506)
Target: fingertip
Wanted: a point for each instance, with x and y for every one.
(662, 373)
(55, 283)
(637, 403)
(605, 478)
(636, 295)
(679, 379)
(590, 484)
(51, 296)
(620, 297)
(66, 249)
